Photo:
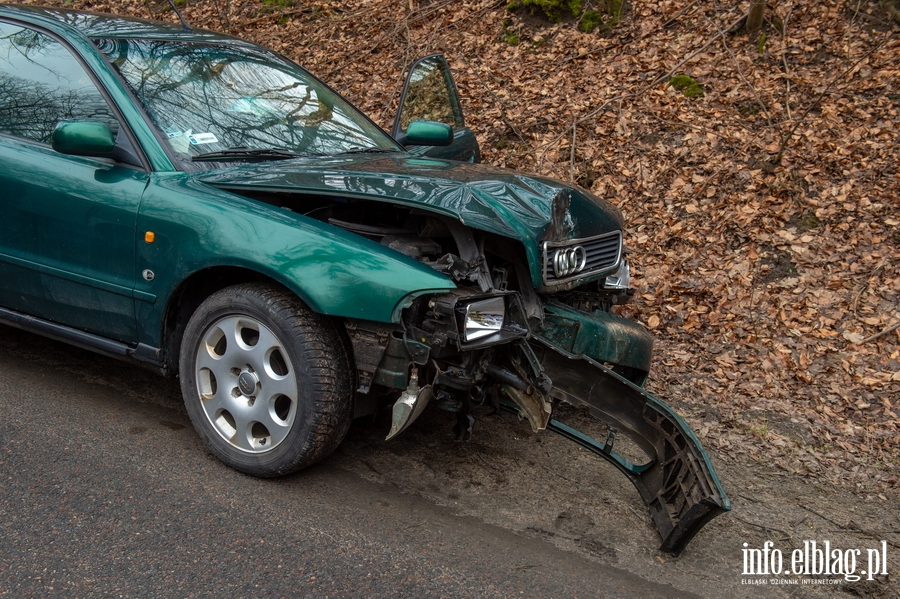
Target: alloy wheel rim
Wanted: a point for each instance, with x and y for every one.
(246, 384)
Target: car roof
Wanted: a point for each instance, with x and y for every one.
(100, 25)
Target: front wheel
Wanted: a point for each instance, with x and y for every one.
(266, 382)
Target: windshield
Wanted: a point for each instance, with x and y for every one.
(216, 101)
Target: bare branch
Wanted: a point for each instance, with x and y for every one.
(886, 331)
(787, 74)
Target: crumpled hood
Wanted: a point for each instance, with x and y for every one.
(483, 197)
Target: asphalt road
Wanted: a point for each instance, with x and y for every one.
(105, 491)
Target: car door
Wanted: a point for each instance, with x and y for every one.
(429, 93)
(67, 223)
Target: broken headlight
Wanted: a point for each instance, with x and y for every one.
(454, 321)
(488, 320)
(482, 318)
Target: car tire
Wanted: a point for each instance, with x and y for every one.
(267, 383)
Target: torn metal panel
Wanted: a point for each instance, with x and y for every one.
(532, 406)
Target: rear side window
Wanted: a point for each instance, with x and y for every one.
(42, 85)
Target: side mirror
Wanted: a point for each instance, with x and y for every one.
(426, 133)
(428, 94)
(429, 102)
(83, 138)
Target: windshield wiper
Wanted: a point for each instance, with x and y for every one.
(249, 154)
(365, 151)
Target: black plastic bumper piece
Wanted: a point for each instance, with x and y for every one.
(678, 483)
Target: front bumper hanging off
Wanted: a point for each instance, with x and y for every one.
(678, 482)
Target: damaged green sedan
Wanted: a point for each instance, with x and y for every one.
(211, 210)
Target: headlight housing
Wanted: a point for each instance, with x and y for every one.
(483, 318)
(486, 320)
(456, 321)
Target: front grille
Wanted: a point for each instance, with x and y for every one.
(601, 253)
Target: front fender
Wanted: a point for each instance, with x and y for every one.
(196, 227)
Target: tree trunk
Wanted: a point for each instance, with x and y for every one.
(755, 16)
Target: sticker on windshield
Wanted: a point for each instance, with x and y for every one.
(202, 138)
(181, 143)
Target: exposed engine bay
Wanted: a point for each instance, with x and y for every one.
(463, 346)
(522, 345)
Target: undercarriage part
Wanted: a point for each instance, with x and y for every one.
(465, 424)
(528, 387)
(678, 484)
(369, 342)
(531, 406)
(394, 366)
(382, 355)
(455, 390)
(364, 404)
(454, 386)
(447, 402)
(409, 406)
(460, 379)
(505, 376)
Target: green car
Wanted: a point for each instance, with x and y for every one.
(207, 208)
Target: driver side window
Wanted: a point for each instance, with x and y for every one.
(42, 84)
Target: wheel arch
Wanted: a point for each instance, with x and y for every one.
(196, 288)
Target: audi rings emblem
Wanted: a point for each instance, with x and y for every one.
(569, 261)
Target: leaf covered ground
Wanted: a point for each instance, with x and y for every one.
(762, 213)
